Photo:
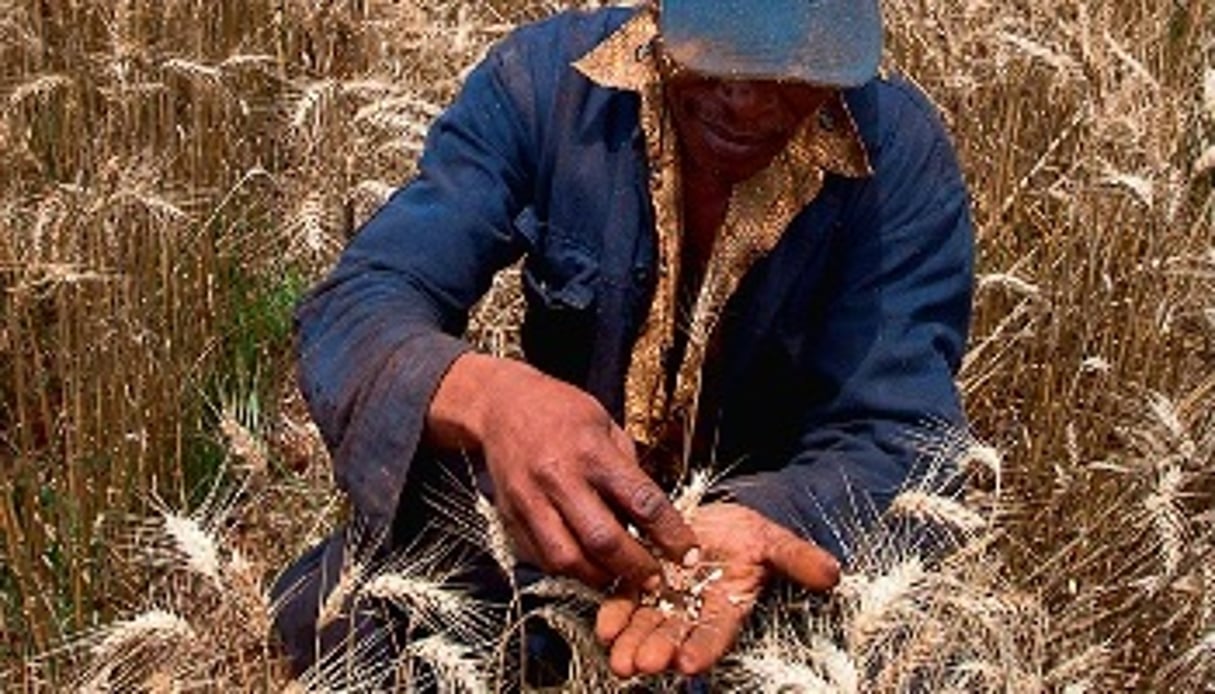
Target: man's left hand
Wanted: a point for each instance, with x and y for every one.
(747, 548)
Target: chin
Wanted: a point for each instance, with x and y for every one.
(735, 167)
(731, 160)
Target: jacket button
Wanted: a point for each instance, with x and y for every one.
(826, 119)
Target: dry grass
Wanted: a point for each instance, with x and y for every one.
(172, 173)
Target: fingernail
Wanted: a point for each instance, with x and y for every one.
(653, 584)
(692, 559)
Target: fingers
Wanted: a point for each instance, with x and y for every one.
(648, 506)
(658, 651)
(603, 538)
(645, 641)
(750, 546)
(623, 659)
(638, 652)
(719, 625)
(522, 547)
(804, 562)
(613, 616)
(545, 536)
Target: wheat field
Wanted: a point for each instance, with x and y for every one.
(174, 174)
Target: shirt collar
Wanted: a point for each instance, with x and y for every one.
(625, 61)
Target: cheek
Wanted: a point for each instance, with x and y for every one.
(801, 103)
(786, 121)
(690, 103)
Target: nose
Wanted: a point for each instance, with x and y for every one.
(745, 99)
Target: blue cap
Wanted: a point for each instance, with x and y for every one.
(828, 42)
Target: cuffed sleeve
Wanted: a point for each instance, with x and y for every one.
(882, 356)
(375, 339)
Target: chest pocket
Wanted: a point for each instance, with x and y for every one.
(560, 284)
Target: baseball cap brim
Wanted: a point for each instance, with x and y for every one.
(827, 42)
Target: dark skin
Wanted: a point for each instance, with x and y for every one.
(728, 131)
(566, 474)
(749, 549)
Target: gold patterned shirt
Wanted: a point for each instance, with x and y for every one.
(658, 406)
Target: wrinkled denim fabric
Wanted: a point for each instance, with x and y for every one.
(837, 346)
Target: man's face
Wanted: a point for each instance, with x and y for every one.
(734, 128)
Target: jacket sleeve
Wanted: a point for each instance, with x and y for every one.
(884, 356)
(377, 336)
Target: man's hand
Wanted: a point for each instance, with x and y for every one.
(747, 548)
(563, 471)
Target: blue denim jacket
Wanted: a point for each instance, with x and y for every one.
(838, 345)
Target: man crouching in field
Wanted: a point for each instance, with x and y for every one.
(742, 246)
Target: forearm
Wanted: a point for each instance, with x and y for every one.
(378, 337)
(368, 368)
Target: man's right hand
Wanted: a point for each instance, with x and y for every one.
(564, 473)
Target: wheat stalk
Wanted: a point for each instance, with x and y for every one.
(1169, 434)
(122, 650)
(37, 88)
(152, 627)
(837, 665)
(760, 672)
(193, 69)
(338, 600)
(356, 667)
(877, 604)
(940, 510)
(455, 667)
(692, 492)
(1168, 518)
(236, 425)
(589, 667)
(198, 547)
(1073, 671)
(1010, 282)
(558, 588)
(306, 112)
(434, 603)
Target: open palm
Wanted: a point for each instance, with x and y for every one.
(693, 622)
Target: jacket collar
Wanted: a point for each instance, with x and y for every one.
(625, 61)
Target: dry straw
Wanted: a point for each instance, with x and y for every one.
(434, 604)
(454, 667)
(588, 670)
(154, 153)
(196, 546)
(131, 652)
(149, 628)
(936, 509)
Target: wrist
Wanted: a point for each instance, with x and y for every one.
(467, 402)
